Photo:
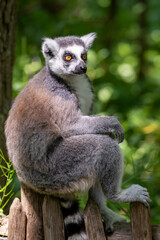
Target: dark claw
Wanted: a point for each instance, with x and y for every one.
(116, 131)
(109, 231)
(119, 137)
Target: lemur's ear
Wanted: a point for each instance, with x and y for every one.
(88, 39)
(49, 47)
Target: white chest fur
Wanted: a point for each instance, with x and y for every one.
(84, 93)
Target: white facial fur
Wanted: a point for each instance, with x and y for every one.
(57, 63)
(88, 39)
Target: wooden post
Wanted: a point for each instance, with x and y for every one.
(93, 222)
(17, 222)
(122, 231)
(52, 219)
(140, 222)
(32, 205)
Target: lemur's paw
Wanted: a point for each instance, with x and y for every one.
(109, 225)
(116, 130)
(140, 194)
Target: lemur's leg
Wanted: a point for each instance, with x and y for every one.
(76, 163)
(110, 174)
(108, 215)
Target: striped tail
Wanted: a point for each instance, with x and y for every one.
(73, 220)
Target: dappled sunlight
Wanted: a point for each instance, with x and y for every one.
(126, 72)
(95, 70)
(103, 3)
(155, 35)
(33, 67)
(105, 94)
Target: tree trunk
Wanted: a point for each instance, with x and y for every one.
(7, 26)
(142, 21)
(111, 24)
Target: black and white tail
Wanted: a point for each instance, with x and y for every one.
(73, 220)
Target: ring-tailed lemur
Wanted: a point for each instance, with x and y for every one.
(56, 147)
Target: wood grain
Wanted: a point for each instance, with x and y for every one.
(93, 222)
(122, 231)
(32, 205)
(52, 219)
(17, 222)
(140, 222)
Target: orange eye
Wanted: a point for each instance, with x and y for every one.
(84, 56)
(68, 58)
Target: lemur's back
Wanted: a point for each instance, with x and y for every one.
(35, 117)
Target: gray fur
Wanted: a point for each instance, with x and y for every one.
(70, 40)
(57, 150)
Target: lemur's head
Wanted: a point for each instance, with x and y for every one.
(67, 55)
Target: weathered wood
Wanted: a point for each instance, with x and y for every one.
(52, 219)
(122, 231)
(140, 222)
(93, 222)
(155, 231)
(32, 205)
(3, 225)
(17, 221)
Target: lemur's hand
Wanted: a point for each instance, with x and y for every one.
(97, 125)
(116, 130)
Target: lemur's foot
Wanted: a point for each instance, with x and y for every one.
(139, 194)
(109, 223)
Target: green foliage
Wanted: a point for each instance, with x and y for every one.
(123, 65)
(7, 173)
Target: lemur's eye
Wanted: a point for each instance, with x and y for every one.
(84, 57)
(68, 58)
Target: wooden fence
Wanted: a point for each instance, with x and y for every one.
(39, 217)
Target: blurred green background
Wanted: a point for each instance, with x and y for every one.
(123, 64)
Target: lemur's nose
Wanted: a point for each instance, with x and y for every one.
(83, 68)
(80, 68)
